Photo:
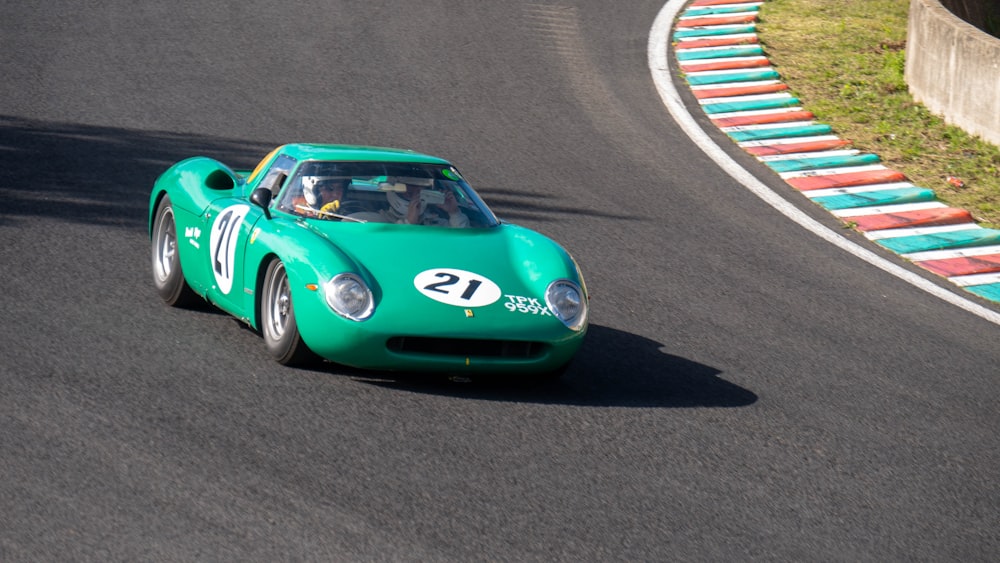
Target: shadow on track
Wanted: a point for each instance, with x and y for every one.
(613, 369)
(95, 175)
(515, 205)
(102, 175)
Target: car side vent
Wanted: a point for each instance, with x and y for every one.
(465, 347)
(219, 180)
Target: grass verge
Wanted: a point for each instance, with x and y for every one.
(845, 59)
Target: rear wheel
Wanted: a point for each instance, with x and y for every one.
(167, 275)
(278, 326)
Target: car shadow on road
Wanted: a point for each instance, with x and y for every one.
(78, 174)
(613, 369)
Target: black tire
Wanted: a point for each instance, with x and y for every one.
(167, 275)
(277, 319)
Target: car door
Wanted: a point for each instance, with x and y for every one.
(230, 223)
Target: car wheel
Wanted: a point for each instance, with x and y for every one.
(278, 326)
(167, 275)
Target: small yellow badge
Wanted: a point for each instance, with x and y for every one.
(469, 314)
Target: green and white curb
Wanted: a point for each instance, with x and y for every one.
(717, 49)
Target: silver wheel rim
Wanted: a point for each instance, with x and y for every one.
(166, 246)
(279, 303)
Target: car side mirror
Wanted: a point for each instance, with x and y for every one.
(261, 197)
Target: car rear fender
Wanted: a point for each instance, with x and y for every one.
(193, 184)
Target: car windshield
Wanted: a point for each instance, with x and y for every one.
(384, 192)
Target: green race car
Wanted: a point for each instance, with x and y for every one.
(369, 257)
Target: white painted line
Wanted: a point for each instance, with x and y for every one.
(724, 37)
(787, 141)
(717, 16)
(975, 279)
(768, 126)
(856, 189)
(733, 5)
(919, 231)
(717, 48)
(735, 84)
(831, 171)
(660, 68)
(746, 98)
(952, 253)
(723, 26)
(887, 209)
(729, 71)
(723, 60)
(753, 112)
(817, 154)
(694, 62)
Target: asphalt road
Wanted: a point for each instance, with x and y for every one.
(746, 391)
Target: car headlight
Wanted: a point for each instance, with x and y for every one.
(349, 296)
(567, 302)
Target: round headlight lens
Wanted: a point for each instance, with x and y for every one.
(566, 301)
(349, 297)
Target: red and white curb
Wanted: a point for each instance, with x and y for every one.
(663, 68)
(717, 49)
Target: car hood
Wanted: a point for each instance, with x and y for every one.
(426, 275)
(506, 254)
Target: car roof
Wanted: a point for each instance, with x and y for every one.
(310, 151)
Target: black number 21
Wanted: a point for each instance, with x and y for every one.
(452, 279)
(225, 239)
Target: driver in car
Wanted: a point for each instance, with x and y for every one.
(413, 209)
(323, 194)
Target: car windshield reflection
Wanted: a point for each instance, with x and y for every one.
(384, 192)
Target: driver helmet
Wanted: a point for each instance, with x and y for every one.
(311, 187)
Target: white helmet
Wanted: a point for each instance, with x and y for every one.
(310, 188)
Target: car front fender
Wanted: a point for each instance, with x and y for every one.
(310, 261)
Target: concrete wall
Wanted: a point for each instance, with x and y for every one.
(953, 68)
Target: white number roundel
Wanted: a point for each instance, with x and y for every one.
(222, 244)
(457, 287)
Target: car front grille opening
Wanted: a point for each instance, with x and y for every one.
(465, 347)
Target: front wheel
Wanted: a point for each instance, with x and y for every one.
(167, 275)
(278, 326)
